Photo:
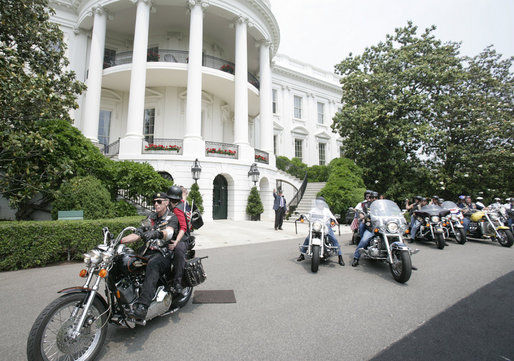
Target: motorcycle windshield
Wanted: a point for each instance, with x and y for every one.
(449, 205)
(433, 210)
(384, 210)
(320, 211)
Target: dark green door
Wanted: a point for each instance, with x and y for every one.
(219, 206)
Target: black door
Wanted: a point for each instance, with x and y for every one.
(219, 198)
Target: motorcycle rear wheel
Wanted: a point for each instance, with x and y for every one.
(315, 259)
(49, 339)
(460, 236)
(401, 268)
(506, 238)
(439, 241)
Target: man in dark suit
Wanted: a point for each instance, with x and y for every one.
(279, 205)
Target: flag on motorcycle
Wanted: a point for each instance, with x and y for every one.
(354, 225)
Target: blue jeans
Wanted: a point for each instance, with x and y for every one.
(331, 237)
(466, 221)
(363, 243)
(414, 228)
(362, 228)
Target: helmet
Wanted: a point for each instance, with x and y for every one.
(497, 199)
(374, 194)
(462, 197)
(368, 192)
(480, 198)
(435, 197)
(175, 193)
(418, 198)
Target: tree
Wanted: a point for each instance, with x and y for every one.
(254, 206)
(35, 89)
(196, 196)
(417, 117)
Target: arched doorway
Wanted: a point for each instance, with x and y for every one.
(219, 197)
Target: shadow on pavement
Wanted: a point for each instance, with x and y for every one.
(479, 327)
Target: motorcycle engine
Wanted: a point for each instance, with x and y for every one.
(374, 246)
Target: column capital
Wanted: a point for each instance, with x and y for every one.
(263, 42)
(192, 3)
(100, 10)
(148, 2)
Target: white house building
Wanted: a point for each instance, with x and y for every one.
(172, 81)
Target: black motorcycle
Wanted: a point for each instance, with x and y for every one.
(74, 326)
(431, 229)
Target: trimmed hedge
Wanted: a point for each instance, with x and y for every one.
(27, 244)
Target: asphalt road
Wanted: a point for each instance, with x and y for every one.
(457, 306)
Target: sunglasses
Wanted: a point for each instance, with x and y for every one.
(158, 201)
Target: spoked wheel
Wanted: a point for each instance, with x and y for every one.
(315, 258)
(402, 266)
(460, 236)
(181, 301)
(439, 241)
(506, 238)
(51, 337)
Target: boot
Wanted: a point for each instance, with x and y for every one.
(355, 262)
(341, 261)
(300, 258)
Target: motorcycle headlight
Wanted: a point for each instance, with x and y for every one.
(455, 218)
(93, 257)
(435, 219)
(106, 257)
(87, 258)
(316, 226)
(494, 216)
(392, 227)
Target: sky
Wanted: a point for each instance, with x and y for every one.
(324, 32)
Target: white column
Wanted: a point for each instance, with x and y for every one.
(194, 145)
(241, 84)
(265, 99)
(94, 79)
(132, 142)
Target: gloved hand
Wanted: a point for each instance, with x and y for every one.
(152, 234)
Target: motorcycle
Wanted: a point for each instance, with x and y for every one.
(74, 326)
(387, 245)
(487, 224)
(453, 223)
(431, 228)
(319, 247)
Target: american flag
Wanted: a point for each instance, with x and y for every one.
(354, 225)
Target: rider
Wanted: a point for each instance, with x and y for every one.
(415, 222)
(322, 206)
(359, 210)
(181, 235)
(163, 224)
(479, 203)
(366, 237)
(435, 201)
(510, 212)
(467, 209)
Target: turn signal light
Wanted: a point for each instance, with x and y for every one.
(301, 220)
(407, 231)
(376, 230)
(102, 273)
(461, 222)
(83, 273)
(118, 294)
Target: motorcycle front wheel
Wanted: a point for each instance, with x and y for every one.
(460, 236)
(315, 258)
(51, 335)
(439, 241)
(401, 268)
(506, 238)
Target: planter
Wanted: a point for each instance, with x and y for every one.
(256, 217)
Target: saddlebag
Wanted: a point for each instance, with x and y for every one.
(193, 272)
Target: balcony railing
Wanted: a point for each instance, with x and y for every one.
(164, 146)
(179, 56)
(111, 150)
(261, 156)
(222, 150)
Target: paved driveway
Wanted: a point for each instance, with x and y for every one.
(284, 312)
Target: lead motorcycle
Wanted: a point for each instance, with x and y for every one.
(319, 247)
(74, 326)
(431, 229)
(389, 225)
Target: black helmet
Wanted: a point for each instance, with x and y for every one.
(418, 198)
(175, 193)
(368, 192)
(374, 194)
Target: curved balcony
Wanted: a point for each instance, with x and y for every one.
(179, 56)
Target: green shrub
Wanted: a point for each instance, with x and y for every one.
(344, 187)
(123, 208)
(29, 244)
(254, 206)
(194, 194)
(318, 173)
(86, 194)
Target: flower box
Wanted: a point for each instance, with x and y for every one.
(169, 148)
(227, 68)
(261, 158)
(221, 151)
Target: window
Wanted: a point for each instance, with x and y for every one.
(109, 58)
(274, 101)
(104, 127)
(297, 107)
(298, 148)
(149, 124)
(321, 152)
(275, 144)
(321, 113)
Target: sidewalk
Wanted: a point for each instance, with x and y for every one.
(224, 233)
